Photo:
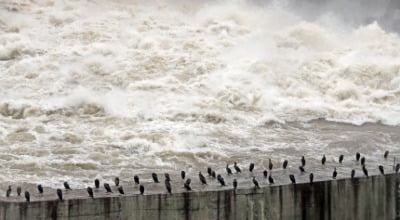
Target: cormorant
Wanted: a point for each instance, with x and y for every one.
(341, 158)
(167, 177)
(397, 167)
(301, 169)
(303, 161)
(292, 179)
(8, 193)
(27, 196)
(237, 168)
(365, 171)
(270, 165)
(221, 180)
(362, 161)
(121, 190)
(19, 191)
(311, 177)
(323, 160)
(270, 179)
(155, 178)
(116, 181)
(213, 174)
(97, 183)
(202, 178)
(228, 170)
(381, 170)
(141, 188)
(251, 167)
(209, 170)
(183, 174)
(136, 179)
(386, 154)
(40, 188)
(353, 173)
(187, 184)
(168, 186)
(334, 174)
(255, 183)
(265, 174)
(358, 155)
(59, 194)
(285, 163)
(235, 184)
(107, 187)
(66, 186)
(90, 191)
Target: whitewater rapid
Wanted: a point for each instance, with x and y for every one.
(103, 88)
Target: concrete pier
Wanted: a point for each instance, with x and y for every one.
(375, 197)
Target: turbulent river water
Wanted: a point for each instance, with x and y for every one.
(116, 88)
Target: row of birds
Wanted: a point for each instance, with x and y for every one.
(211, 174)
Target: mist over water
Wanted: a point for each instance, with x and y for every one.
(103, 88)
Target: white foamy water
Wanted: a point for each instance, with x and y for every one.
(103, 88)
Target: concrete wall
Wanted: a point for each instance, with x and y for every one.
(372, 198)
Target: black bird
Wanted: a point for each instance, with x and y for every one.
(353, 173)
(90, 191)
(358, 155)
(121, 190)
(334, 174)
(237, 168)
(270, 180)
(386, 154)
(221, 180)
(116, 181)
(66, 186)
(59, 194)
(19, 191)
(136, 179)
(183, 174)
(167, 177)
(27, 196)
(255, 183)
(107, 187)
(365, 171)
(341, 158)
(202, 179)
(381, 169)
(228, 170)
(303, 161)
(235, 184)
(141, 188)
(311, 177)
(397, 167)
(285, 163)
(97, 183)
(213, 174)
(209, 170)
(291, 177)
(265, 174)
(301, 169)
(168, 186)
(187, 185)
(362, 161)
(8, 193)
(40, 188)
(251, 167)
(323, 160)
(270, 165)
(155, 178)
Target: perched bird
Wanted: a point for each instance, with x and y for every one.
(167, 177)
(285, 163)
(237, 168)
(386, 154)
(251, 167)
(187, 185)
(397, 167)
(221, 180)
(228, 170)
(255, 182)
(353, 173)
(19, 191)
(136, 179)
(235, 184)
(292, 179)
(97, 183)
(270, 180)
(270, 165)
(381, 170)
(265, 174)
(303, 161)
(341, 158)
(121, 190)
(107, 187)
(323, 160)
(358, 155)
(27, 196)
(202, 179)
(59, 194)
(213, 174)
(141, 189)
(168, 186)
(116, 181)
(365, 171)
(301, 169)
(90, 191)
(40, 188)
(66, 186)
(362, 161)
(334, 174)
(8, 192)
(155, 178)
(311, 177)
(209, 170)
(183, 174)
